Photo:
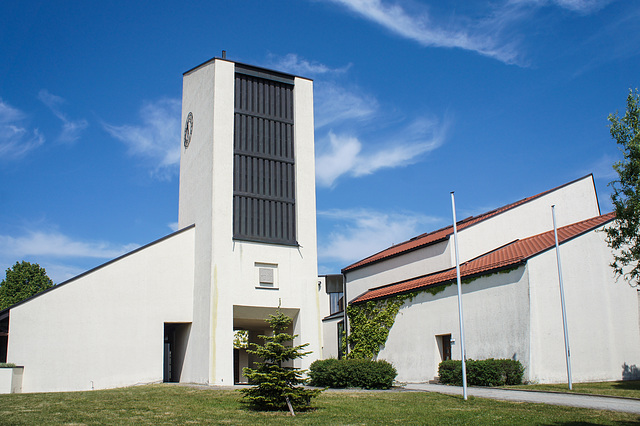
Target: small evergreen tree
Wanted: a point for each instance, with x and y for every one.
(277, 387)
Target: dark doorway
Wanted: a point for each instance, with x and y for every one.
(444, 344)
(176, 336)
(4, 336)
(236, 366)
(4, 343)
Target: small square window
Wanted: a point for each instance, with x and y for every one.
(267, 275)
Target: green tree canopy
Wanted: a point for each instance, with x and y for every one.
(624, 234)
(23, 280)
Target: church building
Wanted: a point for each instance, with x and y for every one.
(182, 308)
(246, 245)
(510, 292)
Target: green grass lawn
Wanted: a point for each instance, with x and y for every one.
(170, 404)
(629, 389)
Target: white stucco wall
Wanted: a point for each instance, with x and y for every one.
(11, 379)
(329, 322)
(409, 265)
(330, 338)
(234, 278)
(195, 206)
(602, 314)
(496, 313)
(574, 202)
(106, 328)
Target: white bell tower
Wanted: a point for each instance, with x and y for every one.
(247, 183)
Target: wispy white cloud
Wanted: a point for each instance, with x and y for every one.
(358, 233)
(338, 106)
(62, 256)
(57, 245)
(583, 6)
(59, 272)
(603, 168)
(71, 129)
(9, 114)
(421, 28)
(580, 6)
(335, 104)
(604, 44)
(16, 139)
(344, 155)
(293, 64)
(493, 34)
(157, 138)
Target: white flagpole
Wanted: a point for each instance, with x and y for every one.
(463, 354)
(564, 311)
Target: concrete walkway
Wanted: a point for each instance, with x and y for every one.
(572, 400)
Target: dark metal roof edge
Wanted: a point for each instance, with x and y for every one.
(264, 73)
(203, 64)
(166, 237)
(391, 256)
(595, 190)
(258, 240)
(248, 67)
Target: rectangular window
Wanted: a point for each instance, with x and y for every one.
(264, 167)
(335, 303)
(335, 286)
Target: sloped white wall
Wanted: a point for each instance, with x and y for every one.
(602, 314)
(574, 202)
(408, 265)
(496, 314)
(106, 328)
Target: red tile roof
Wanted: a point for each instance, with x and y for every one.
(509, 255)
(441, 234)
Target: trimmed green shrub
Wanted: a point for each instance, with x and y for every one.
(7, 365)
(450, 372)
(487, 372)
(352, 373)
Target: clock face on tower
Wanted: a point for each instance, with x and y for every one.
(188, 130)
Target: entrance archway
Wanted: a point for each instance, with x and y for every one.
(252, 320)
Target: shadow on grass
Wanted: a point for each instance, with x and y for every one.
(627, 385)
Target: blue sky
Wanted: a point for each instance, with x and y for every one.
(496, 101)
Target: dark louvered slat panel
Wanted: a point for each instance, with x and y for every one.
(264, 169)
